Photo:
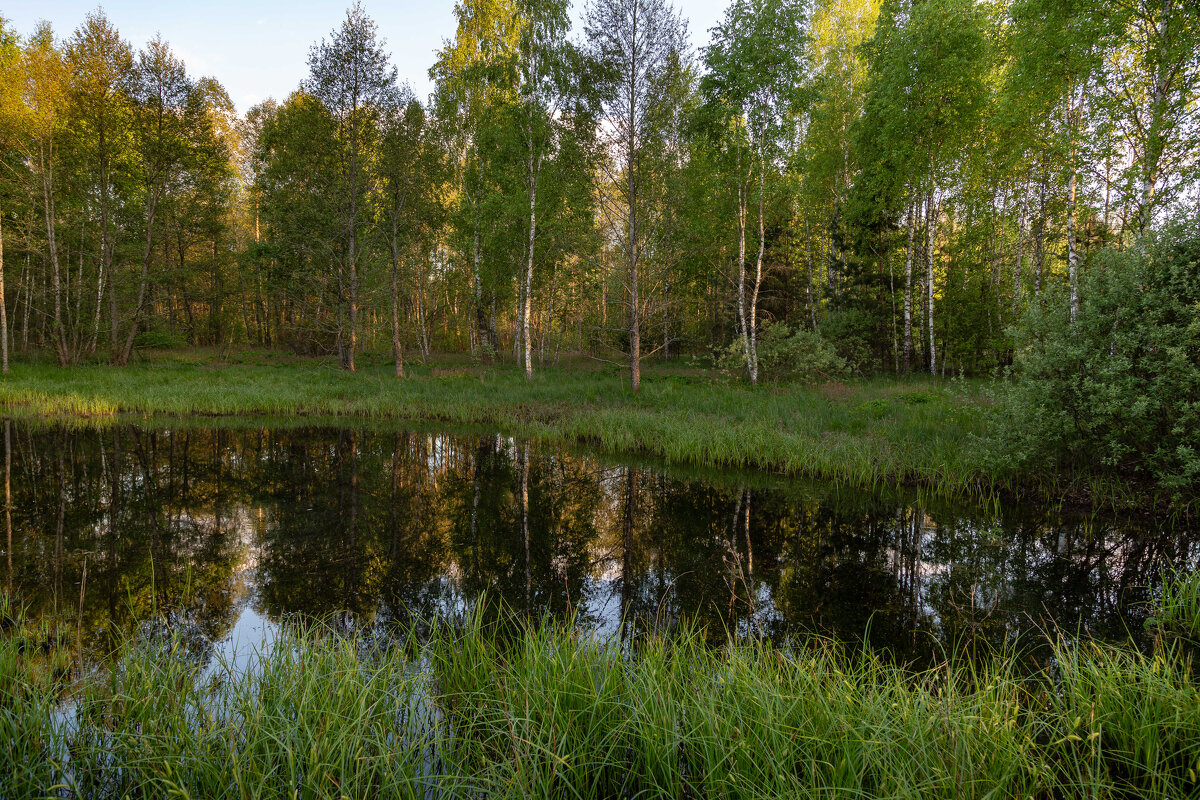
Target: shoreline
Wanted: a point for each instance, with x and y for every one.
(902, 432)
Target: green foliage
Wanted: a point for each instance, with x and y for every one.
(787, 353)
(929, 65)
(852, 332)
(1120, 389)
(158, 337)
(904, 177)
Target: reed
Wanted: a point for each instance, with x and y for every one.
(1177, 609)
(517, 708)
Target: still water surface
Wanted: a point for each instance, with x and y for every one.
(229, 531)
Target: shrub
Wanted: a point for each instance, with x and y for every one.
(1119, 390)
(156, 336)
(787, 353)
(851, 332)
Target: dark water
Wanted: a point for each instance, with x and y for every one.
(229, 531)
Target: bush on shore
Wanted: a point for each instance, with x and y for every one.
(1116, 391)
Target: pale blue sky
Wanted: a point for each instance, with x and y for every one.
(258, 48)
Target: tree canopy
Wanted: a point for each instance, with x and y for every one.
(890, 185)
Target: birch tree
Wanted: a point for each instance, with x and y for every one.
(1151, 92)
(633, 42)
(12, 124)
(474, 81)
(542, 91)
(755, 68)
(101, 67)
(161, 116)
(406, 180)
(928, 62)
(1057, 56)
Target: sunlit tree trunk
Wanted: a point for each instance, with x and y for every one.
(3, 305)
(932, 226)
(397, 347)
(46, 168)
(528, 305)
(908, 298)
(758, 264)
(1072, 180)
(635, 336)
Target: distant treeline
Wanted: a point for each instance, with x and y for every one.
(899, 181)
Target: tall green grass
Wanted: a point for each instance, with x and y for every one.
(867, 433)
(1177, 609)
(543, 709)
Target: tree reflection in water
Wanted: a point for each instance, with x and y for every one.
(202, 526)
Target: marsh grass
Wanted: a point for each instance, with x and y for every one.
(513, 708)
(1177, 610)
(867, 433)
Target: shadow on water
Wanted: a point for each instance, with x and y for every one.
(227, 532)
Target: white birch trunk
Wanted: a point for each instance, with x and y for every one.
(908, 298)
(929, 301)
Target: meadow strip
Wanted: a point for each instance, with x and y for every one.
(882, 431)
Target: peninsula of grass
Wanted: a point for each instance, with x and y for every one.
(882, 431)
(529, 709)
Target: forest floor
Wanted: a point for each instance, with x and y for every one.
(914, 431)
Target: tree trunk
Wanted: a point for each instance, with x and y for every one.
(743, 322)
(908, 298)
(1072, 180)
(667, 317)
(1152, 157)
(932, 225)
(126, 352)
(353, 301)
(26, 282)
(529, 263)
(422, 311)
(1020, 252)
(106, 248)
(812, 297)
(480, 322)
(1072, 248)
(47, 171)
(397, 348)
(1039, 238)
(3, 306)
(635, 337)
(758, 267)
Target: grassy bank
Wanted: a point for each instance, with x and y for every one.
(880, 431)
(552, 712)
